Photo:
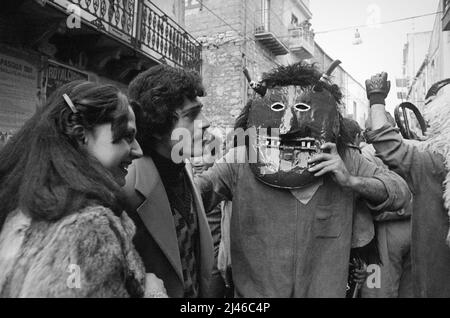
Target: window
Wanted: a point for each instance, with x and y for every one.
(294, 20)
(193, 4)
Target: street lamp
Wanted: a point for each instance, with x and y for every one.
(357, 40)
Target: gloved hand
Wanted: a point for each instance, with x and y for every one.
(378, 88)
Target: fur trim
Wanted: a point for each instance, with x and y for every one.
(11, 239)
(438, 116)
(92, 247)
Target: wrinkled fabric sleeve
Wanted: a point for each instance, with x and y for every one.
(394, 152)
(398, 194)
(217, 183)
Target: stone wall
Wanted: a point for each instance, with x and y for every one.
(221, 71)
(227, 48)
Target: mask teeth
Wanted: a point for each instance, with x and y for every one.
(269, 141)
(308, 144)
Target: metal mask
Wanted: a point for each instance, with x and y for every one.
(291, 123)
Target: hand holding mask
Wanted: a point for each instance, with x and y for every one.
(330, 163)
(296, 115)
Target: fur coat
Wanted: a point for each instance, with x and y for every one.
(87, 254)
(427, 174)
(437, 115)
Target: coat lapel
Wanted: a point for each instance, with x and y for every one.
(155, 211)
(206, 242)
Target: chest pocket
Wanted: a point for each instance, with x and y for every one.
(327, 222)
(327, 215)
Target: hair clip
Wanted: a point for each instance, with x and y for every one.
(70, 104)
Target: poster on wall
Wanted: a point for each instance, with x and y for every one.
(58, 74)
(18, 92)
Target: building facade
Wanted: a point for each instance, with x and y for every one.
(354, 104)
(415, 53)
(237, 34)
(435, 65)
(256, 34)
(47, 43)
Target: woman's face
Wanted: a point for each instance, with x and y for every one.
(114, 156)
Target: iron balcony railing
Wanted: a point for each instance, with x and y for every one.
(141, 24)
(164, 36)
(302, 34)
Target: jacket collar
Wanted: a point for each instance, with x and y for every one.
(156, 214)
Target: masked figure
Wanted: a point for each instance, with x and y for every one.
(292, 123)
(294, 186)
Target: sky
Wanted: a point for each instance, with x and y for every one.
(382, 46)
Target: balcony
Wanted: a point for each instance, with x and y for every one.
(301, 42)
(140, 25)
(271, 32)
(163, 36)
(446, 17)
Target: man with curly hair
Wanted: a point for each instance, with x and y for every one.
(173, 235)
(294, 186)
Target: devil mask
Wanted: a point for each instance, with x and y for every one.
(296, 115)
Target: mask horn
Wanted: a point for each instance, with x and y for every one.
(259, 88)
(435, 89)
(401, 119)
(326, 76)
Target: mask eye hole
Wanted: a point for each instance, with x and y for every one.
(277, 107)
(302, 107)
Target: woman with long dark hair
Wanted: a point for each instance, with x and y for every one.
(63, 232)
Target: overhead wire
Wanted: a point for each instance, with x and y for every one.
(381, 23)
(327, 31)
(318, 32)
